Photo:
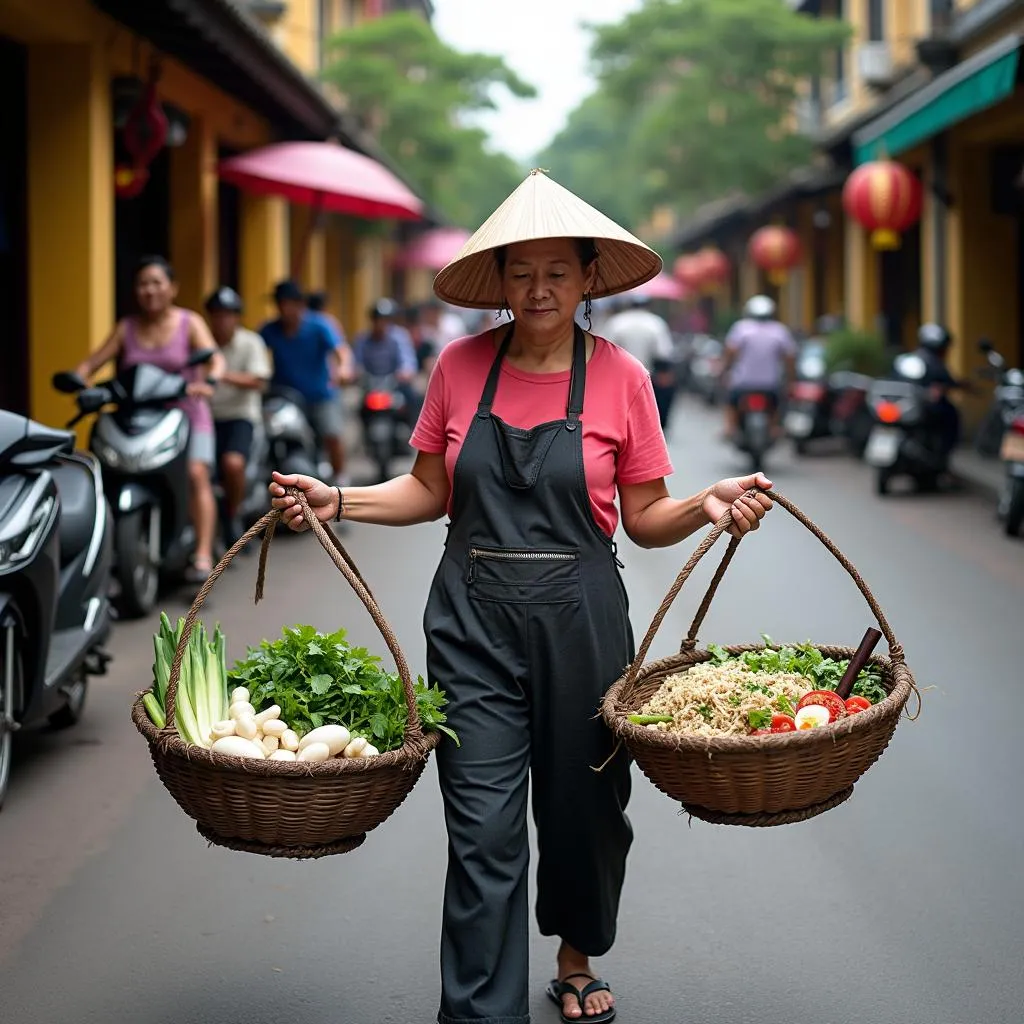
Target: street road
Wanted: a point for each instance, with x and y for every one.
(903, 906)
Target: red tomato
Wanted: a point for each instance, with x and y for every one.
(832, 703)
(761, 732)
(855, 704)
(783, 723)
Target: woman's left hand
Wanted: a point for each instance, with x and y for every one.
(727, 495)
(199, 389)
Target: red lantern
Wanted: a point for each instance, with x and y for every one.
(129, 181)
(884, 197)
(714, 267)
(145, 130)
(776, 250)
(688, 270)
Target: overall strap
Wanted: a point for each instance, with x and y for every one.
(483, 410)
(577, 378)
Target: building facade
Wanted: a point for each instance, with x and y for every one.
(230, 77)
(935, 85)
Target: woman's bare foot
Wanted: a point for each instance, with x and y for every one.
(570, 962)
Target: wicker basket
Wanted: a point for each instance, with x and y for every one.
(282, 808)
(755, 780)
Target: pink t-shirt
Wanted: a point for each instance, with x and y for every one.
(622, 438)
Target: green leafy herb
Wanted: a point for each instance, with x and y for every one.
(807, 661)
(760, 719)
(320, 679)
(706, 713)
(785, 705)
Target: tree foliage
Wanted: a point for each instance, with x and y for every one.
(700, 96)
(414, 94)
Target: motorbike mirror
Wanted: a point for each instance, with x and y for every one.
(202, 356)
(985, 345)
(910, 366)
(995, 359)
(92, 399)
(68, 383)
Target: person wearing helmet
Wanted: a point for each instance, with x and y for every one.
(310, 358)
(236, 402)
(760, 355)
(933, 344)
(647, 337)
(386, 350)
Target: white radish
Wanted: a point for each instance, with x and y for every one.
(241, 709)
(275, 727)
(268, 715)
(235, 746)
(369, 751)
(283, 755)
(270, 744)
(239, 695)
(222, 729)
(290, 739)
(336, 737)
(356, 747)
(246, 727)
(315, 752)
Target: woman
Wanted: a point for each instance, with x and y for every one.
(527, 432)
(164, 335)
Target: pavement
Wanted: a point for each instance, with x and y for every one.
(903, 906)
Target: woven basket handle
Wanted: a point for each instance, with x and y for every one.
(341, 558)
(723, 524)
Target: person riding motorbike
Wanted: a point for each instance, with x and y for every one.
(647, 337)
(760, 355)
(386, 350)
(236, 404)
(933, 343)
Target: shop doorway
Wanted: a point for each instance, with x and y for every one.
(900, 291)
(141, 228)
(229, 226)
(14, 348)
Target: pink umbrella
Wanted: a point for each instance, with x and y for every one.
(433, 249)
(327, 177)
(662, 287)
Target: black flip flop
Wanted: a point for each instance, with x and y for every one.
(557, 989)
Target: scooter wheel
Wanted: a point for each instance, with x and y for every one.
(882, 478)
(138, 575)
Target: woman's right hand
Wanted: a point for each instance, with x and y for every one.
(322, 498)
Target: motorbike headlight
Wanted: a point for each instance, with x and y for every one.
(23, 546)
(162, 452)
(106, 453)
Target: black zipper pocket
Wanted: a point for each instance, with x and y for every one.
(490, 554)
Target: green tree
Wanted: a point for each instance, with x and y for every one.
(415, 94)
(702, 94)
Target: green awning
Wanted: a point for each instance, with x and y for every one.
(976, 84)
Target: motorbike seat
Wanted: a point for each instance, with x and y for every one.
(77, 491)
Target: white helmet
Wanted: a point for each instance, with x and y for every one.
(760, 307)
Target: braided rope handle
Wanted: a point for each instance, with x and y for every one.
(341, 558)
(895, 649)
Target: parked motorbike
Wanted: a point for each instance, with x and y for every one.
(383, 414)
(905, 439)
(754, 432)
(55, 560)
(809, 406)
(142, 446)
(291, 444)
(851, 416)
(1006, 424)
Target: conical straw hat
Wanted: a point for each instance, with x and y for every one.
(541, 208)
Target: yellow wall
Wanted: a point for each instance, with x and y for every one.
(298, 34)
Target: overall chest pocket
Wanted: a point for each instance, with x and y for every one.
(524, 576)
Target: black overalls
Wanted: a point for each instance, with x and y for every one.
(527, 626)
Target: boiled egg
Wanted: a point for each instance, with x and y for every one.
(813, 716)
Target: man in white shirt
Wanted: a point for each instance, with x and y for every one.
(237, 403)
(647, 337)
